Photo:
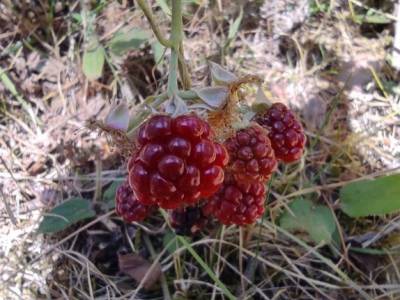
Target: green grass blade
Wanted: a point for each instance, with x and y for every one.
(206, 268)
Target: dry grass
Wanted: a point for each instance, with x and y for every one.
(330, 69)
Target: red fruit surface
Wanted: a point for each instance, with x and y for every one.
(177, 162)
(285, 132)
(251, 155)
(237, 202)
(127, 205)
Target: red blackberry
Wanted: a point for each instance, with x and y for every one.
(127, 205)
(285, 132)
(188, 221)
(177, 162)
(237, 202)
(251, 155)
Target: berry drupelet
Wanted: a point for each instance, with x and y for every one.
(251, 155)
(285, 132)
(127, 205)
(177, 162)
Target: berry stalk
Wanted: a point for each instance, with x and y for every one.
(176, 38)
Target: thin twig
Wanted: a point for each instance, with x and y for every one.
(8, 209)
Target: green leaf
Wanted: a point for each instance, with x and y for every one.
(316, 220)
(158, 51)
(125, 40)
(118, 117)
(109, 194)
(93, 61)
(377, 19)
(371, 197)
(77, 17)
(372, 17)
(65, 215)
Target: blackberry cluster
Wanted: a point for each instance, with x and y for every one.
(285, 132)
(128, 206)
(177, 165)
(251, 155)
(177, 162)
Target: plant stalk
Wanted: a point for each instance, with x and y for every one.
(183, 70)
(150, 17)
(176, 38)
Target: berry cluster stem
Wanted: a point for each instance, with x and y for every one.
(176, 38)
(177, 63)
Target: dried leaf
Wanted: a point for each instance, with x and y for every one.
(118, 117)
(220, 75)
(215, 97)
(262, 102)
(137, 267)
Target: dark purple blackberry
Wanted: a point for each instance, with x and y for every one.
(188, 221)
